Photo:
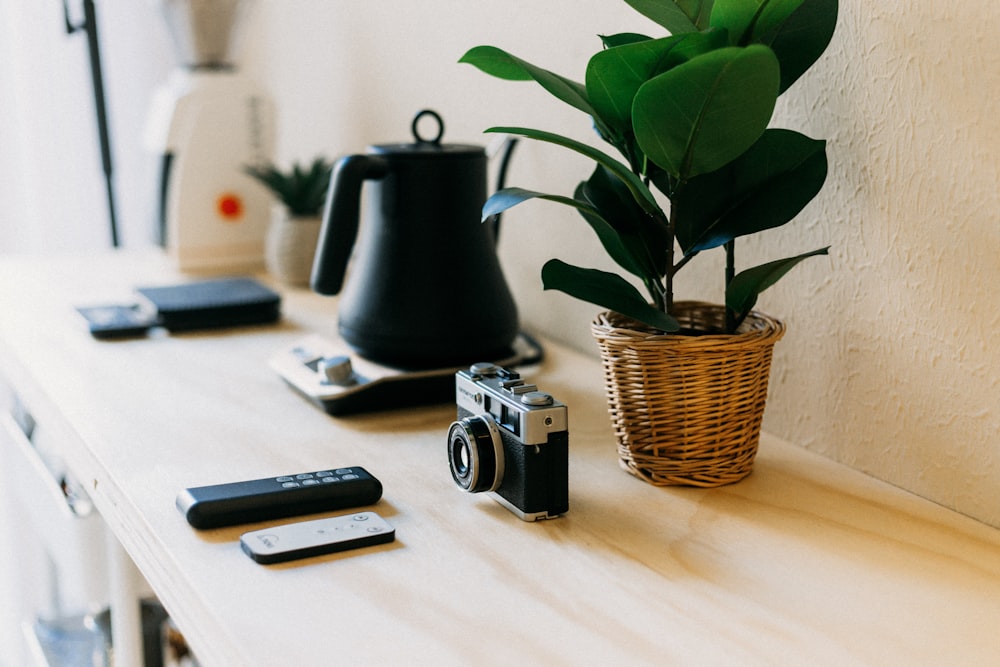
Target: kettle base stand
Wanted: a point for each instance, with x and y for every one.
(327, 373)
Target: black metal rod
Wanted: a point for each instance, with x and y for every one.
(97, 78)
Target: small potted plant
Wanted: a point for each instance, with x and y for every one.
(295, 220)
(689, 114)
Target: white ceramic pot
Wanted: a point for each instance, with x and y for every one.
(290, 247)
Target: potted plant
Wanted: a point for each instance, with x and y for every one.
(689, 114)
(295, 220)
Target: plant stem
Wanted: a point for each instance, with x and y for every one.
(670, 269)
(730, 246)
(664, 292)
(730, 261)
(684, 260)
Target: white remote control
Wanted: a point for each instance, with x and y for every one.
(314, 538)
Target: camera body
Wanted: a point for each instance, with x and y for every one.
(511, 440)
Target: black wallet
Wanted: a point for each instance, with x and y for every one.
(208, 304)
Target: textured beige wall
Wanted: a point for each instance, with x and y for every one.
(889, 363)
(892, 365)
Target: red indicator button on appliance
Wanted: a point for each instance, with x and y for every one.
(230, 206)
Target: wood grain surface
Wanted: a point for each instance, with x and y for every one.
(804, 562)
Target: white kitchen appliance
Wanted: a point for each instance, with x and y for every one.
(208, 123)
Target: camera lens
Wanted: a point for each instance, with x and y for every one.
(475, 453)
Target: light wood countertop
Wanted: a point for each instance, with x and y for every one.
(804, 562)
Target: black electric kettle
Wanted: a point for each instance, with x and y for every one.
(425, 288)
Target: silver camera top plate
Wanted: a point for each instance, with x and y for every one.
(515, 404)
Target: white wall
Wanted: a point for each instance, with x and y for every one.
(51, 182)
(888, 364)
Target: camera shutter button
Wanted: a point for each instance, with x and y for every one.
(536, 398)
(483, 368)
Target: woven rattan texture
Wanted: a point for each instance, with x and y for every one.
(687, 409)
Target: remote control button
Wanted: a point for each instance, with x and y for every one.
(305, 475)
(374, 529)
(269, 540)
(310, 482)
(360, 517)
(347, 477)
(329, 480)
(343, 471)
(283, 479)
(324, 473)
(291, 485)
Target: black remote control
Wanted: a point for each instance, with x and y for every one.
(277, 497)
(118, 321)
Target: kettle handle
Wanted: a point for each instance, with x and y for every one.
(340, 219)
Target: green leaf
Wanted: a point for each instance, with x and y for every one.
(622, 38)
(302, 191)
(501, 200)
(615, 75)
(644, 241)
(609, 237)
(503, 65)
(743, 290)
(621, 245)
(677, 16)
(706, 112)
(798, 31)
(604, 289)
(764, 188)
(638, 189)
(735, 17)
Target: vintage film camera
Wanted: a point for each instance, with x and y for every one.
(512, 440)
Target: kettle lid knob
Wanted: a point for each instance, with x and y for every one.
(415, 127)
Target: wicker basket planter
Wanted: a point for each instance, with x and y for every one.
(687, 409)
